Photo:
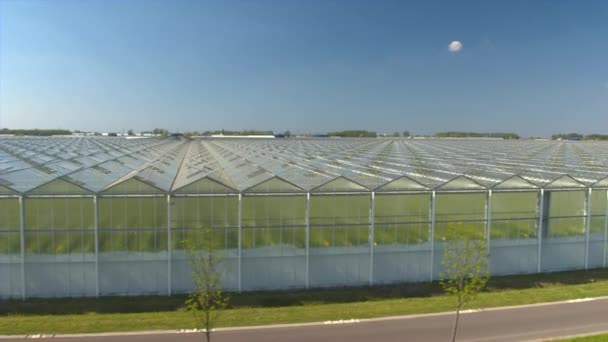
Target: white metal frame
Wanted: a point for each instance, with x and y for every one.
(432, 234)
(539, 234)
(96, 227)
(488, 218)
(240, 244)
(169, 248)
(605, 232)
(307, 240)
(22, 243)
(371, 237)
(587, 225)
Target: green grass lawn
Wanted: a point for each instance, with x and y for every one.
(595, 338)
(258, 308)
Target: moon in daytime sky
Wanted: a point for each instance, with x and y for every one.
(455, 46)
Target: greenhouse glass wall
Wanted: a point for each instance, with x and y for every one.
(101, 216)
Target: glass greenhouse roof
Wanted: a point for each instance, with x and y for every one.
(113, 165)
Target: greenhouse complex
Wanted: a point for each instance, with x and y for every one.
(99, 216)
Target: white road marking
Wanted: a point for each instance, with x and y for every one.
(470, 311)
(581, 300)
(342, 321)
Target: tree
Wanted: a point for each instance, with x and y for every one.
(130, 133)
(465, 262)
(567, 136)
(501, 135)
(160, 131)
(208, 299)
(35, 132)
(406, 134)
(353, 134)
(192, 134)
(396, 134)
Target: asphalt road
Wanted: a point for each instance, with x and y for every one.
(517, 324)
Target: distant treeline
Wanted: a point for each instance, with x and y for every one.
(243, 132)
(578, 136)
(353, 134)
(37, 132)
(157, 131)
(596, 137)
(228, 133)
(476, 135)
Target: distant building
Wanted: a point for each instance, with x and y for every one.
(243, 136)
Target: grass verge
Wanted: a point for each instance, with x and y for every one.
(86, 315)
(595, 338)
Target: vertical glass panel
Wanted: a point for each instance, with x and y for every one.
(339, 239)
(274, 221)
(598, 213)
(463, 211)
(567, 226)
(10, 248)
(514, 215)
(274, 241)
(59, 246)
(191, 218)
(597, 228)
(401, 237)
(513, 232)
(59, 213)
(133, 245)
(401, 219)
(9, 214)
(190, 215)
(563, 244)
(566, 212)
(457, 214)
(565, 203)
(339, 221)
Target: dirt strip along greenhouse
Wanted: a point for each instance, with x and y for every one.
(100, 216)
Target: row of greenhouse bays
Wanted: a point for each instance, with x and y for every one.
(59, 254)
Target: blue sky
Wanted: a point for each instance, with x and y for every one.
(534, 67)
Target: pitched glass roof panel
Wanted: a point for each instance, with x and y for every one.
(6, 191)
(402, 184)
(132, 186)
(27, 179)
(514, 183)
(601, 184)
(274, 185)
(340, 184)
(59, 187)
(205, 186)
(565, 182)
(460, 183)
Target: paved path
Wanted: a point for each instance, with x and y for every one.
(514, 324)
